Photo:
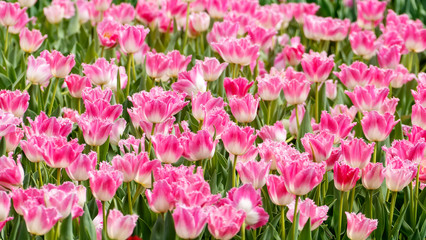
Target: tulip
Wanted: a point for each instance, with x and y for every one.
(40, 219)
(216, 122)
(147, 12)
(102, 110)
(178, 63)
(198, 146)
(15, 102)
(372, 176)
(244, 109)
(211, 68)
(95, 131)
(38, 71)
(377, 127)
(203, 103)
(414, 38)
(102, 5)
(221, 31)
(308, 210)
(275, 133)
(131, 38)
(331, 89)
(237, 87)
(278, 191)
(360, 227)
(168, 148)
(318, 146)
(405, 149)
(105, 182)
(317, 66)
(117, 130)
(59, 153)
(189, 221)
(339, 126)
(160, 199)
(33, 148)
(60, 66)
(80, 168)
(238, 51)
(190, 82)
(131, 144)
(101, 72)
(302, 10)
(30, 41)
(253, 172)
(357, 153)
(13, 139)
(51, 127)
(370, 13)
(198, 23)
(399, 173)
(123, 13)
(237, 140)
(296, 87)
(108, 32)
(363, 43)
(224, 222)
(62, 198)
(269, 87)
(296, 118)
(345, 176)
(27, 3)
(128, 165)
(11, 172)
(418, 116)
(76, 84)
(368, 98)
(157, 66)
(400, 76)
(145, 170)
(261, 36)
(10, 14)
(120, 227)
(343, 109)
(4, 206)
(389, 57)
(357, 74)
(217, 9)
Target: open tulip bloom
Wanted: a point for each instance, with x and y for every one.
(212, 119)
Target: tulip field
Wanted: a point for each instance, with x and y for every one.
(212, 119)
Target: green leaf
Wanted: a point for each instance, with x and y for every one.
(399, 221)
(66, 229)
(3, 146)
(87, 229)
(163, 228)
(305, 126)
(306, 231)
(103, 151)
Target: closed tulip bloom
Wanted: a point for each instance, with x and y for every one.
(244, 109)
(27, 3)
(293, 53)
(237, 140)
(157, 66)
(131, 38)
(15, 102)
(40, 219)
(296, 87)
(51, 127)
(123, 13)
(211, 68)
(399, 173)
(10, 13)
(318, 146)
(38, 71)
(278, 192)
(108, 32)
(357, 74)
(30, 41)
(356, 152)
(225, 222)
(343, 109)
(33, 148)
(269, 87)
(301, 175)
(198, 146)
(308, 210)
(360, 227)
(345, 176)
(376, 126)
(317, 66)
(177, 63)
(331, 89)
(418, 116)
(236, 87)
(216, 122)
(101, 72)
(160, 199)
(4, 205)
(102, 5)
(119, 226)
(238, 51)
(60, 153)
(11, 172)
(203, 103)
(146, 169)
(128, 165)
(147, 13)
(198, 23)
(62, 198)
(370, 13)
(221, 31)
(95, 130)
(400, 76)
(190, 82)
(368, 98)
(60, 65)
(262, 36)
(389, 57)
(79, 169)
(189, 221)
(13, 139)
(105, 182)
(414, 37)
(168, 148)
(275, 133)
(253, 172)
(339, 126)
(372, 176)
(363, 43)
(76, 84)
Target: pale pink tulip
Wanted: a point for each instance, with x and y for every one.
(79, 169)
(377, 127)
(211, 68)
(40, 219)
(372, 176)
(224, 222)
(317, 66)
(120, 226)
(132, 38)
(359, 227)
(308, 210)
(237, 140)
(11, 172)
(105, 182)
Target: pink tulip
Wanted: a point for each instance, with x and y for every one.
(13, 139)
(331, 89)
(244, 109)
(101, 72)
(15, 102)
(418, 116)
(128, 165)
(190, 82)
(357, 74)
(296, 87)
(40, 219)
(237, 87)
(177, 63)
(67, 5)
(167, 148)
(381, 78)
(368, 98)
(216, 122)
(224, 222)
(30, 41)
(94, 94)
(145, 170)
(147, 12)
(221, 31)
(377, 127)
(318, 146)
(301, 175)
(401, 76)
(211, 68)
(108, 32)
(105, 182)
(357, 153)
(198, 146)
(372, 176)
(419, 96)
(217, 9)
(123, 13)
(278, 192)
(102, 5)
(238, 51)
(38, 71)
(275, 133)
(163, 128)
(131, 38)
(248, 199)
(389, 57)
(160, 199)
(317, 66)
(262, 37)
(308, 210)
(33, 148)
(23, 198)
(10, 13)
(345, 176)
(95, 130)
(203, 103)
(120, 226)
(59, 153)
(269, 87)
(11, 172)
(157, 66)
(85, 10)
(414, 37)
(405, 149)
(370, 13)
(189, 221)
(4, 206)
(301, 10)
(253, 172)
(343, 109)
(117, 130)
(62, 198)
(60, 66)
(23, 20)
(363, 43)
(76, 84)
(328, 29)
(79, 169)
(8, 123)
(198, 23)
(51, 127)
(339, 126)
(399, 173)
(237, 140)
(360, 227)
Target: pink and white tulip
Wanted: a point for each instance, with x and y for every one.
(119, 226)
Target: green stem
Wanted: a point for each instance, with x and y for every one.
(129, 194)
(27, 87)
(316, 102)
(390, 90)
(129, 79)
(235, 71)
(416, 193)
(98, 153)
(102, 51)
(370, 199)
(339, 226)
(294, 228)
(79, 105)
(297, 119)
(318, 194)
(58, 176)
(6, 41)
(392, 208)
(53, 97)
(138, 192)
(243, 231)
(283, 222)
(233, 171)
(268, 120)
(187, 26)
(410, 61)
(39, 173)
(104, 218)
(375, 152)
(150, 139)
(351, 201)
(133, 67)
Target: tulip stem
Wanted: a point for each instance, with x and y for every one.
(129, 194)
(352, 197)
(53, 96)
(283, 222)
(339, 226)
(375, 152)
(370, 199)
(6, 41)
(27, 87)
(104, 220)
(410, 61)
(98, 153)
(233, 171)
(133, 67)
(79, 105)
(243, 231)
(102, 51)
(39, 173)
(187, 26)
(416, 193)
(294, 230)
(129, 79)
(316, 102)
(138, 192)
(392, 208)
(150, 139)
(297, 119)
(58, 176)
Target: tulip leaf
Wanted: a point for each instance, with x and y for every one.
(399, 221)
(2, 146)
(87, 229)
(163, 228)
(103, 151)
(305, 234)
(66, 232)
(305, 127)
